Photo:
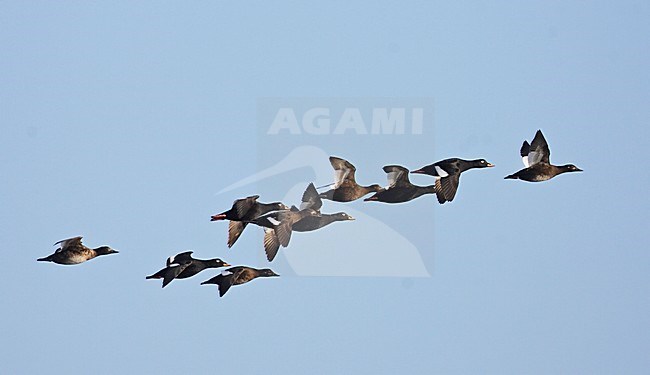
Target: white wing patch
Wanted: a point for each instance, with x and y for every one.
(339, 176)
(273, 221)
(441, 172)
(525, 160)
(226, 273)
(392, 177)
(534, 157)
(174, 265)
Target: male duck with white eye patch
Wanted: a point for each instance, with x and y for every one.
(182, 266)
(72, 251)
(447, 173)
(236, 276)
(536, 158)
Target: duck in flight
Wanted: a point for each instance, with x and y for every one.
(182, 266)
(400, 189)
(345, 187)
(536, 158)
(237, 276)
(72, 251)
(447, 173)
(278, 227)
(311, 199)
(242, 211)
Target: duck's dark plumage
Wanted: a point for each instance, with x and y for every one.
(278, 227)
(536, 157)
(311, 199)
(345, 187)
(242, 211)
(311, 223)
(182, 266)
(447, 173)
(236, 276)
(72, 251)
(400, 189)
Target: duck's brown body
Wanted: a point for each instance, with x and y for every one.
(72, 251)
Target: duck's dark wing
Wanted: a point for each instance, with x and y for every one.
(343, 171)
(524, 151)
(242, 206)
(397, 175)
(227, 279)
(283, 232)
(235, 229)
(539, 151)
(69, 243)
(446, 167)
(271, 244)
(173, 271)
(310, 199)
(180, 258)
(446, 188)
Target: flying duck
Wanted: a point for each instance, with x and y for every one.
(345, 187)
(278, 227)
(72, 251)
(400, 189)
(236, 276)
(182, 266)
(447, 173)
(242, 211)
(536, 158)
(311, 199)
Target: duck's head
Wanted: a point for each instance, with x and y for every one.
(278, 206)
(570, 168)
(105, 250)
(266, 272)
(482, 163)
(375, 188)
(216, 263)
(341, 216)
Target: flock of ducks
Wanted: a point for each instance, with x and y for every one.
(279, 221)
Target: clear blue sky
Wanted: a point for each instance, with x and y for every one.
(123, 121)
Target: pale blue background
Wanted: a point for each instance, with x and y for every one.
(120, 120)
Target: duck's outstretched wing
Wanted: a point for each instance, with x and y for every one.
(311, 199)
(538, 150)
(69, 243)
(235, 229)
(397, 175)
(242, 206)
(271, 244)
(446, 188)
(343, 172)
(180, 258)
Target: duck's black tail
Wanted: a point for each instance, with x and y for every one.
(511, 177)
(46, 259)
